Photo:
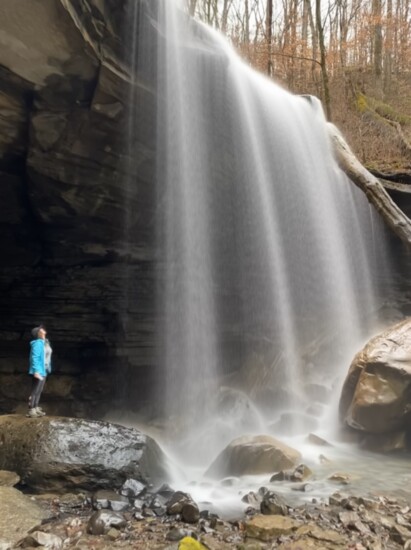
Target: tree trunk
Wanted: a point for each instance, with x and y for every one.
(388, 50)
(377, 45)
(269, 33)
(224, 18)
(371, 186)
(323, 62)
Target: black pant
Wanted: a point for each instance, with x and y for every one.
(36, 390)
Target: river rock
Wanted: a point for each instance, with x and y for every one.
(273, 504)
(110, 499)
(60, 454)
(266, 528)
(376, 396)
(103, 520)
(300, 473)
(45, 540)
(132, 488)
(252, 455)
(182, 503)
(18, 515)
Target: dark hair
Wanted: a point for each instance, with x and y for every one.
(35, 331)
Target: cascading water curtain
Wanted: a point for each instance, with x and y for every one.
(265, 260)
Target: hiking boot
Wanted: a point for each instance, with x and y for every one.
(40, 411)
(32, 413)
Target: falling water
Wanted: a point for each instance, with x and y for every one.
(265, 262)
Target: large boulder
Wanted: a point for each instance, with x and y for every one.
(252, 455)
(62, 454)
(376, 396)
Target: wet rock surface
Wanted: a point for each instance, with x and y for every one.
(376, 395)
(62, 454)
(253, 455)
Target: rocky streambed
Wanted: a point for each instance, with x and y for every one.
(139, 518)
(91, 485)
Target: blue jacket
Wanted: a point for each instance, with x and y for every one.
(37, 364)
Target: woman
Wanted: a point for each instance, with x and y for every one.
(40, 367)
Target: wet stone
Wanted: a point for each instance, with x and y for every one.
(132, 488)
(71, 501)
(102, 521)
(45, 540)
(273, 504)
(113, 533)
(138, 504)
(337, 499)
(175, 504)
(109, 499)
(338, 477)
(279, 476)
(148, 512)
(252, 498)
(190, 512)
(300, 473)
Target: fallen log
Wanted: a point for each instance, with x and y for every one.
(371, 186)
(393, 186)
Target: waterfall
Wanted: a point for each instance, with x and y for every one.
(266, 263)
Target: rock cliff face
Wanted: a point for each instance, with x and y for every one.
(65, 171)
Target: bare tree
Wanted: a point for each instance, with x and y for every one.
(323, 59)
(269, 35)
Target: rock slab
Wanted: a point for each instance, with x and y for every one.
(266, 528)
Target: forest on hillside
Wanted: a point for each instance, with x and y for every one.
(353, 54)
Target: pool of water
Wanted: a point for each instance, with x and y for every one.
(367, 474)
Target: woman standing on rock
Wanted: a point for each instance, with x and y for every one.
(40, 367)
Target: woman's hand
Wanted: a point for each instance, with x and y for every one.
(38, 376)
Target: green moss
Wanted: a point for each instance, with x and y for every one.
(361, 103)
(366, 103)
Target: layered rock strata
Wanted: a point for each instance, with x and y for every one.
(76, 201)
